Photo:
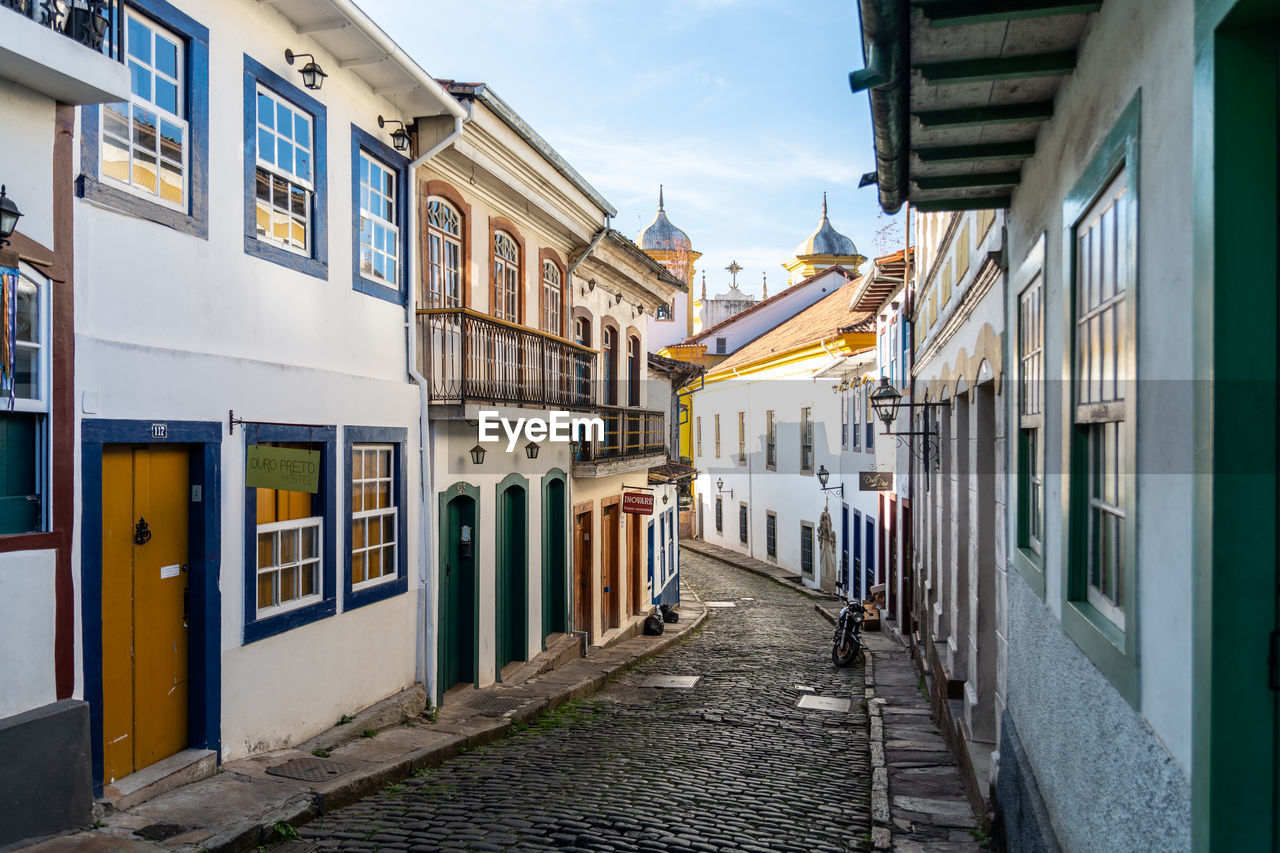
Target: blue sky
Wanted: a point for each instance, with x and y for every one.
(741, 108)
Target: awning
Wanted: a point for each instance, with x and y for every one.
(671, 472)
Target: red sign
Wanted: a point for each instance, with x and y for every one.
(637, 503)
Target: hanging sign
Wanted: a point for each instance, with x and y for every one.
(875, 481)
(637, 503)
(286, 468)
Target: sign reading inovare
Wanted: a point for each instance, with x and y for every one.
(637, 503)
(286, 468)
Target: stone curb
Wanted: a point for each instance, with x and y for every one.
(304, 808)
(881, 826)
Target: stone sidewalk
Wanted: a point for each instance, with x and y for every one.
(244, 805)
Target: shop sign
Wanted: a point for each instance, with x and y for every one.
(875, 481)
(287, 468)
(637, 503)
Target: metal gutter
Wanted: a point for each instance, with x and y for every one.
(886, 76)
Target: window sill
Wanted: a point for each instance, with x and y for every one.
(1028, 564)
(380, 591)
(379, 290)
(300, 263)
(120, 200)
(269, 626)
(1104, 644)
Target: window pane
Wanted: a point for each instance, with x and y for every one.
(301, 131)
(266, 590)
(266, 111)
(284, 121)
(357, 567)
(302, 164)
(284, 155)
(266, 550)
(139, 39)
(310, 579)
(266, 146)
(166, 97)
(166, 56)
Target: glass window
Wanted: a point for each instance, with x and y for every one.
(806, 549)
(506, 277)
(289, 531)
(1031, 416)
(379, 213)
(742, 523)
(855, 403)
(552, 295)
(806, 440)
(771, 534)
(374, 519)
(144, 140)
(284, 175)
(24, 416)
(742, 437)
(444, 255)
(719, 514)
(698, 433)
(717, 436)
(771, 440)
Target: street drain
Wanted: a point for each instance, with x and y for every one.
(310, 769)
(823, 703)
(672, 681)
(720, 603)
(160, 831)
(495, 706)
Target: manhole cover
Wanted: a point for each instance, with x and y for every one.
(720, 603)
(489, 704)
(823, 703)
(677, 681)
(310, 769)
(160, 831)
(803, 688)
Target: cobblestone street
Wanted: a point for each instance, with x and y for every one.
(730, 764)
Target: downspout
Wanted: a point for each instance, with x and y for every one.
(428, 668)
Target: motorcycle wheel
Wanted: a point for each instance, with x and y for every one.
(845, 651)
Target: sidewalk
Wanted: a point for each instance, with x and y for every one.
(246, 804)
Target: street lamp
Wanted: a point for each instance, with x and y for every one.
(312, 74)
(720, 488)
(477, 454)
(531, 450)
(823, 476)
(399, 137)
(9, 216)
(885, 400)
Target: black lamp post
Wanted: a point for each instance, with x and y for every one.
(400, 136)
(477, 454)
(9, 216)
(823, 476)
(312, 74)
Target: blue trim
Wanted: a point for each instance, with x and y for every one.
(205, 533)
(400, 165)
(396, 436)
(318, 264)
(195, 221)
(255, 628)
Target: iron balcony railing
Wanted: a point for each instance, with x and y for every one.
(469, 357)
(627, 433)
(96, 24)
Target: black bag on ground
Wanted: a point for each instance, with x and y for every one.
(653, 624)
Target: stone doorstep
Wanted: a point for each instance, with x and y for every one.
(190, 765)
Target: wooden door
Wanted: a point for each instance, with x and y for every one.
(554, 594)
(457, 662)
(582, 569)
(513, 600)
(633, 564)
(611, 565)
(145, 556)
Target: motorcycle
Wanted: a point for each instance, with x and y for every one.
(847, 643)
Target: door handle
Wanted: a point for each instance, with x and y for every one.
(141, 533)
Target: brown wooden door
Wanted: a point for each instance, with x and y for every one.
(609, 561)
(633, 563)
(582, 603)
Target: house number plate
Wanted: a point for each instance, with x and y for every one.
(159, 430)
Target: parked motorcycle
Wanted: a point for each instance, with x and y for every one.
(847, 643)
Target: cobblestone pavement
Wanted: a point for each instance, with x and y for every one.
(730, 764)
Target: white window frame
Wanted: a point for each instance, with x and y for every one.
(368, 191)
(39, 404)
(178, 119)
(290, 177)
(392, 511)
(275, 528)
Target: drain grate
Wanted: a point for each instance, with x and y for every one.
(672, 681)
(310, 769)
(720, 603)
(823, 703)
(495, 705)
(160, 831)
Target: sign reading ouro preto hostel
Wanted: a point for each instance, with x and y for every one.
(875, 481)
(287, 468)
(637, 503)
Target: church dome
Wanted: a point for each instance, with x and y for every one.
(826, 240)
(661, 235)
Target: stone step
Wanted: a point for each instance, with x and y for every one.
(190, 765)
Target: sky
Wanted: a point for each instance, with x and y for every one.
(741, 109)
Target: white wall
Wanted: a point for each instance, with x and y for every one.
(26, 150)
(781, 308)
(27, 617)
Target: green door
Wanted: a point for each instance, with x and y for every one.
(513, 622)
(457, 658)
(555, 566)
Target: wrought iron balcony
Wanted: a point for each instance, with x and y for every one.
(96, 24)
(628, 433)
(468, 357)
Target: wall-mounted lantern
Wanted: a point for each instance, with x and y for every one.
(823, 476)
(312, 74)
(9, 216)
(477, 454)
(531, 450)
(720, 488)
(400, 136)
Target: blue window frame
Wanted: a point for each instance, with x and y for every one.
(268, 541)
(285, 173)
(869, 564)
(379, 221)
(149, 157)
(375, 561)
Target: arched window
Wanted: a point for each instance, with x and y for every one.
(552, 294)
(506, 277)
(444, 255)
(633, 371)
(610, 341)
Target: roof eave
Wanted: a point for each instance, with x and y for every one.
(886, 32)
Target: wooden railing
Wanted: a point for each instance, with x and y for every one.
(627, 433)
(467, 356)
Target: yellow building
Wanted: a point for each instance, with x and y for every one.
(823, 248)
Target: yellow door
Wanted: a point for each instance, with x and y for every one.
(145, 494)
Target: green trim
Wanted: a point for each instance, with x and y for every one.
(886, 33)
(460, 489)
(500, 624)
(990, 68)
(1235, 214)
(975, 116)
(1113, 651)
(982, 151)
(977, 202)
(950, 13)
